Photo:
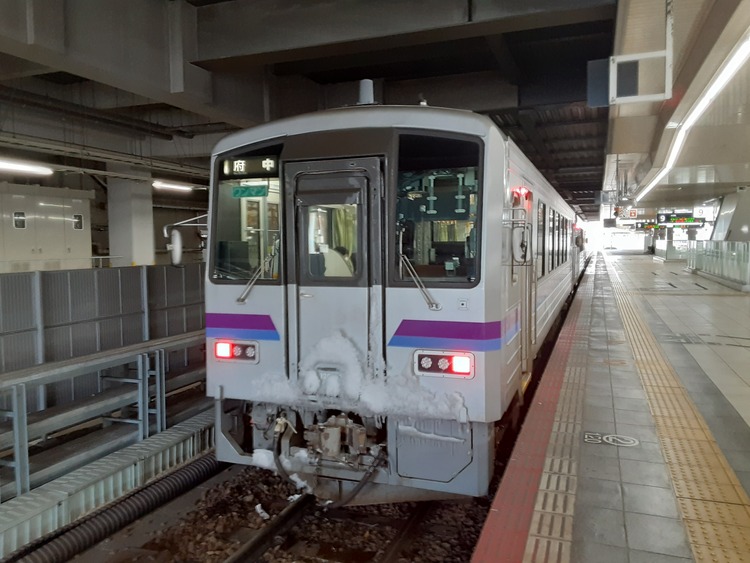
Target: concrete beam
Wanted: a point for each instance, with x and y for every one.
(12, 68)
(506, 64)
(250, 32)
(480, 92)
(98, 41)
(74, 139)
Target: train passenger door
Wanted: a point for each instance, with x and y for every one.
(528, 292)
(523, 275)
(337, 232)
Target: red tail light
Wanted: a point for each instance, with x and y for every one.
(223, 349)
(444, 364)
(240, 351)
(461, 365)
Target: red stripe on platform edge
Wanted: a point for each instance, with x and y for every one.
(506, 530)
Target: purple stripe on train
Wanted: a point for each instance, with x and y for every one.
(245, 327)
(451, 335)
(450, 329)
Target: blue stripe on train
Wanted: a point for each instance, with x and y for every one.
(446, 343)
(242, 334)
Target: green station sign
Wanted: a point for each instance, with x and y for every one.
(249, 191)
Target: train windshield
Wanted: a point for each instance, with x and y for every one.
(438, 195)
(247, 219)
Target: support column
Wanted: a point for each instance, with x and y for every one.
(131, 222)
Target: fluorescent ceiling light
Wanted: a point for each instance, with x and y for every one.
(730, 68)
(171, 186)
(26, 168)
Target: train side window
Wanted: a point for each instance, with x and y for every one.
(540, 239)
(550, 241)
(438, 199)
(557, 239)
(19, 220)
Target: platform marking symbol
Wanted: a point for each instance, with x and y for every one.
(611, 439)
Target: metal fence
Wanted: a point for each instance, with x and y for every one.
(56, 315)
(72, 349)
(726, 261)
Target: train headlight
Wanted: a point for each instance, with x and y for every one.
(229, 350)
(444, 364)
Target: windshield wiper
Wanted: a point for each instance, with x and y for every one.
(264, 265)
(254, 278)
(250, 284)
(431, 303)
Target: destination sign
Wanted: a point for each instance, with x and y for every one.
(680, 220)
(252, 167)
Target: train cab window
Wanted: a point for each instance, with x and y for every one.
(331, 241)
(247, 230)
(437, 209)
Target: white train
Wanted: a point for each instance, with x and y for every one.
(380, 280)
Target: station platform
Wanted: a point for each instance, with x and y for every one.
(636, 447)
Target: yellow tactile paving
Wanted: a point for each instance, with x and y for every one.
(677, 433)
(673, 403)
(702, 473)
(659, 379)
(719, 512)
(713, 491)
(561, 466)
(685, 453)
(552, 525)
(718, 555)
(708, 533)
(558, 483)
(547, 550)
(683, 422)
(713, 504)
(554, 502)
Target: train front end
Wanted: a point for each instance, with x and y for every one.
(355, 334)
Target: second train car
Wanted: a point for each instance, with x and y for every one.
(379, 282)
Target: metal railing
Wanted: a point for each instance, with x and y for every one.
(724, 260)
(148, 360)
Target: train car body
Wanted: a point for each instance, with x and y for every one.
(380, 280)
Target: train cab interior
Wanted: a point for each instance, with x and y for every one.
(437, 206)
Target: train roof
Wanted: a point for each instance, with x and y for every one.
(365, 116)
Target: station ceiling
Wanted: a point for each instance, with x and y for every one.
(146, 88)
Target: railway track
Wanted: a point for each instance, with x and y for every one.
(253, 549)
(224, 521)
(405, 533)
